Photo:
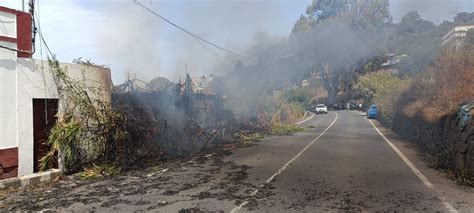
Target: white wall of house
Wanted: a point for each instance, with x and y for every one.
(25, 79)
(455, 37)
(36, 81)
(22, 80)
(8, 122)
(8, 24)
(31, 83)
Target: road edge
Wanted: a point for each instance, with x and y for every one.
(414, 169)
(307, 119)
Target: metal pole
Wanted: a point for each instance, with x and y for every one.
(23, 5)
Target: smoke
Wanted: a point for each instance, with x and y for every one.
(339, 45)
(234, 25)
(129, 38)
(335, 46)
(138, 42)
(135, 41)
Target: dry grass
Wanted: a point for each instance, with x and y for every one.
(444, 85)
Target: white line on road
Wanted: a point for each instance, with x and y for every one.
(237, 208)
(414, 169)
(307, 119)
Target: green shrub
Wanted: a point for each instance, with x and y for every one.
(301, 96)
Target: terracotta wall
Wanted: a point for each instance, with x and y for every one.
(8, 163)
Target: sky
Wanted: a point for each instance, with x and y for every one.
(134, 42)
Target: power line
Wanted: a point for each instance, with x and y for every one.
(40, 32)
(13, 49)
(211, 51)
(190, 33)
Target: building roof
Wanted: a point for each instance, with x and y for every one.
(460, 28)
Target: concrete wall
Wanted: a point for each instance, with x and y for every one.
(9, 21)
(36, 81)
(97, 80)
(23, 79)
(31, 83)
(8, 124)
(8, 121)
(455, 37)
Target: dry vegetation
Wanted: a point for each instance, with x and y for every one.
(90, 129)
(422, 108)
(436, 92)
(445, 84)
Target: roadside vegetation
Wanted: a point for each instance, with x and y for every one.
(423, 108)
(98, 138)
(90, 130)
(385, 90)
(276, 115)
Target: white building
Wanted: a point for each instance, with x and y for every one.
(455, 38)
(201, 84)
(29, 102)
(394, 60)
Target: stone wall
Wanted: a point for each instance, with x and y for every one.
(448, 142)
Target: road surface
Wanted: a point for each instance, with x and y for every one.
(344, 163)
(349, 166)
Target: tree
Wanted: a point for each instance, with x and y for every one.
(372, 13)
(412, 23)
(464, 18)
(324, 9)
(302, 25)
(360, 13)
(337, 38)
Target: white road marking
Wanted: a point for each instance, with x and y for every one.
(307, 119)
(237, 208)
(414, 169)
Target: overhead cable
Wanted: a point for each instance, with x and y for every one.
(189, 33)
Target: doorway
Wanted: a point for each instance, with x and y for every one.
(44, 118)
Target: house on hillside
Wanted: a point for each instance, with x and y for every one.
(455, 38)
(29, 100)
(202, 84)
(394, 60)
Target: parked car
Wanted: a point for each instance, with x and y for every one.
(321, 108)
(337, 107)
(465, 114)
(372, 112)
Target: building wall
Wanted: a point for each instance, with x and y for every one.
(24, 35)
(8, 121)
(31, 83)
(23, 79)
(455, 38)
(8, 26)
(36, 81)
(21, 82)
(8, 95)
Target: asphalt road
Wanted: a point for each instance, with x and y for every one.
(344, 163)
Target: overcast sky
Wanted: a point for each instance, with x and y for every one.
(125, 37)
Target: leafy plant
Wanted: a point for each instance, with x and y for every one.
(94, 171)
(62, 138)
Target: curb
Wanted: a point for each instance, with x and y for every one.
(32, 179)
